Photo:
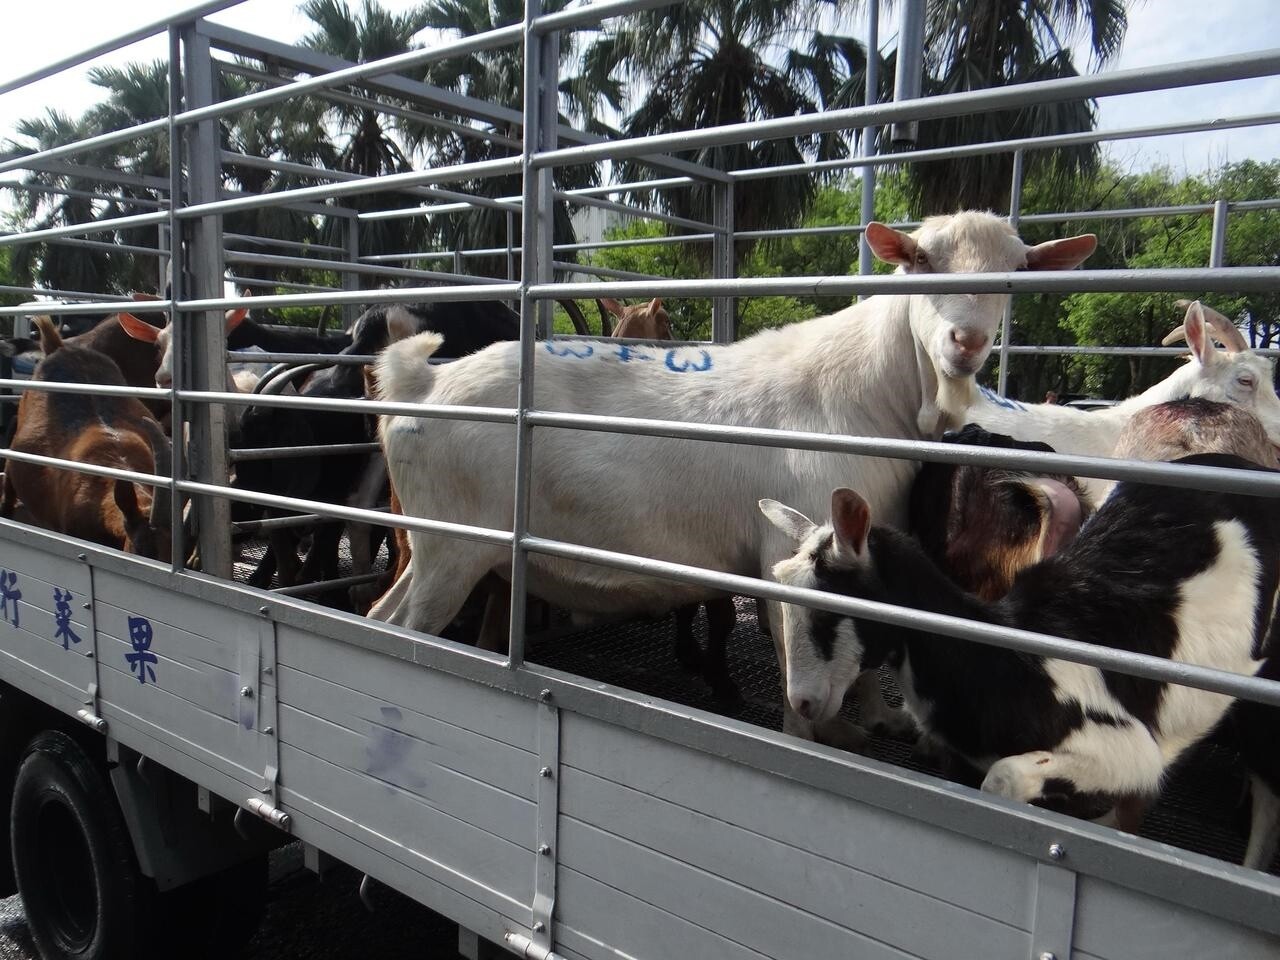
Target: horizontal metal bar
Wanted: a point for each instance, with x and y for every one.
(490, 291)
(123, 40)
(1241, 66)
(93, 469)
(1208, 279)
(587, 268)
(103, 306)
(637, 212)
(1253, 482)
(592, 14)
(343, 176)
(637, 242)
(433, 411)
(338, 266)
(108, 246)
(245, 454)
(304, 245)
(475, 43)
(503, 166)
(85, 194)
(381, 106)
(74, 229)
(66, 294)
(283, 523)
(30, 161)
(277, 284)
(635, 186)
(358, 514)
(1007, 146)
(1010, 638)
(88, 389)
(1047, 351)
(323, 586)
(339, 359)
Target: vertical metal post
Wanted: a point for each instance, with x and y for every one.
(457, 260)
(164, 231)
(177, 288)
(1006, 323)
(549, 58)
(540, 89)
(723, 266)
(208, 341)
(351, 281)
(1218, 246)
(865, 260)
(511, 255)
(910, 67)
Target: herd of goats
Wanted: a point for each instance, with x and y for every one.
(1181, 574)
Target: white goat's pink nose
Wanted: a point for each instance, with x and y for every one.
(968, 341)
(163, 379)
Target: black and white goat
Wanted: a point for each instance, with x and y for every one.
(1181, 574)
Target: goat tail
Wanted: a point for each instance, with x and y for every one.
(402, 370)
(50, 338)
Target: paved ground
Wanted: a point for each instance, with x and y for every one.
(309, 919)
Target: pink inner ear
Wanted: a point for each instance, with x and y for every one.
(1198, 335)
(889, 245)
(612, 306)
(138, 329)
(851, 519)
(1065, 254)
(236, 317)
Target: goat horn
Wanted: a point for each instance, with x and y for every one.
(161, 499)
(1177, 335)
(275, 381)
(1227, 331)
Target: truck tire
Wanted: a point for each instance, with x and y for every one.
(84, 896)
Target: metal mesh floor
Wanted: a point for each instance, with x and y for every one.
(1205, 807)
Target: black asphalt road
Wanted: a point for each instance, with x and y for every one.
(309, 918)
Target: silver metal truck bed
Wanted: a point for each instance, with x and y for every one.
(651, 830)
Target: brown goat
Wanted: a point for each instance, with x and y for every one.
(1179, 428)
(647, 321)
(117, 432)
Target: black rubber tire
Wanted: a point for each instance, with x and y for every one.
(83, 894)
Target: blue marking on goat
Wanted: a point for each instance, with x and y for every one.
(1000, 401)
(687, 366)
(627, 353)
(568, 350)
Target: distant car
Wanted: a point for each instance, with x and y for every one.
(1090, 403)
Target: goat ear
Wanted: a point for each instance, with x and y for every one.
(791, 522)
(655, 304)
(236, 317)
(851, 520)
(138, 329)
(890, 245)
(613, 306)
(1065, 254)
(1197, 334)
(142, 297)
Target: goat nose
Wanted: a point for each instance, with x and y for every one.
(805, 707)
(163, 380)
(970, 341)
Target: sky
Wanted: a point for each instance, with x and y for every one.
(1161, 31)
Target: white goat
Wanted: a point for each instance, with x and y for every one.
(868, 370)
(1237, 376)
(163, 339)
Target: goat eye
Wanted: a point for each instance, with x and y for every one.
(922, 258)
(1245, 380)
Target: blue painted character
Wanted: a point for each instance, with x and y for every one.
(627, 353)
(141, 660)
(9, 591)
(1000, 401)
(62, 618)
(685, 366)
(569, 350)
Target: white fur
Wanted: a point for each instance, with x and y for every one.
(1242, 378)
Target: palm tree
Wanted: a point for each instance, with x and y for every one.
(496, 76)
(711, 62)
(977, 44)
(370, 143)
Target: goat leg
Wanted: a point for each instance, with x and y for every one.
(10, 497)
(687, 650)
(722, 617)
